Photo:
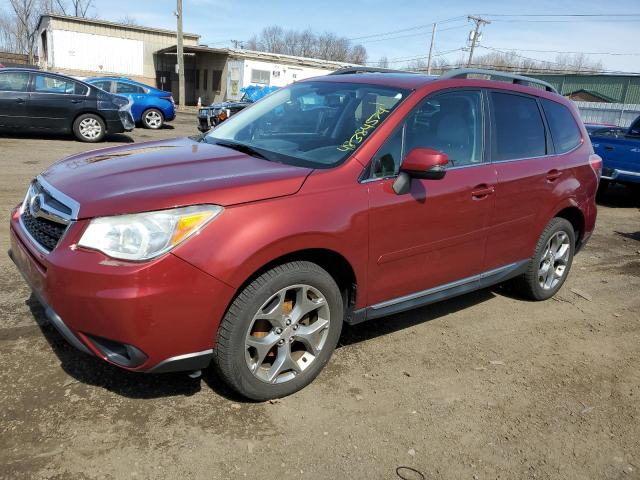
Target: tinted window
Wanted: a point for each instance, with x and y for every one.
(64, 86)
(103, 84)
(564, 131)
(518, 129)
(14, 81)
(450, 123)
(122, 87)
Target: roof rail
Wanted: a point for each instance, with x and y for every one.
(517, 79)
(352, 70)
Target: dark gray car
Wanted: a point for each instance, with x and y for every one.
(33, 100)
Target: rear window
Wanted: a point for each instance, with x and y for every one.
(518, 129)
(564, 131)
(122, 87)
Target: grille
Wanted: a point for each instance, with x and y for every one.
(43, 231)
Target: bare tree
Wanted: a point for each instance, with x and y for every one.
(306, 43)
(383, 62)
(75, 8)
(20, 27)
(128, 20)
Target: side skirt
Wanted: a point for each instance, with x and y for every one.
(436, 294)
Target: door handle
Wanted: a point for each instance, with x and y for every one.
(553, 175)
(482, 191)
(608, 148)
(77, 101)
(20, 100)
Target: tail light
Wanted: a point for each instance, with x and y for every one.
(596, 164)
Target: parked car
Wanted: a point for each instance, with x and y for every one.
(151, 106)
(251, 246)
(216, 113)
(620, 152)
(34, 100)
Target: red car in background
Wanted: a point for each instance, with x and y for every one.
(336, 199)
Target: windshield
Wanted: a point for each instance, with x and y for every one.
(314, 124)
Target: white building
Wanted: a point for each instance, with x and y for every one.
(88, 47)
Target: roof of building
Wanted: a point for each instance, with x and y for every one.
(265, 56)
(107, 23)
(601, 97)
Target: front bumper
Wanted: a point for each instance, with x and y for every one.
(156, 316)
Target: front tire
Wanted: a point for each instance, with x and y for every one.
(549, 267)
(280, 331)
(153, 119)
(89, 128)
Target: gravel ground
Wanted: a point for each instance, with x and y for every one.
(483, 386)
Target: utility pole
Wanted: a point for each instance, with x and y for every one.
(181, 96)
(475, 35)
(433, 39)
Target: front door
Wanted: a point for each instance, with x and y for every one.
(436, 233)
(54, 101)
(14, 87)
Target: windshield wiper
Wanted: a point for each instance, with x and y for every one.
(241, 147)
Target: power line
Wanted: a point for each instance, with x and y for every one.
(570, 52)
(408, 29)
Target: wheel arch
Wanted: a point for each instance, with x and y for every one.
(576, 218)
(330, 260)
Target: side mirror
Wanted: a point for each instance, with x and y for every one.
(423, 163)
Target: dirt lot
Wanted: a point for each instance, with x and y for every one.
(483, 386)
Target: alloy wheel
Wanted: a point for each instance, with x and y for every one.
(554, 260)
(287, 334)
(153, 119)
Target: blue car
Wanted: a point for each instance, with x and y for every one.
(620, 152)
(151, 106)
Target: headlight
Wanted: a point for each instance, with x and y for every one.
(143, 236)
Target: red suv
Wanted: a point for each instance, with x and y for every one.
(337, 199)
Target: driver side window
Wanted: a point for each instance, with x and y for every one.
(448, 122)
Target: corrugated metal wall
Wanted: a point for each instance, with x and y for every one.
(620, 114)
(621, 88)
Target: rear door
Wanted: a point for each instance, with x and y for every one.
(55, 101)
(435, 234)
(14, 94)
(527, 169)
(136, 93)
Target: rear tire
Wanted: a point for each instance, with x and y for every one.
(89, 128)
(549, 267)
(280, 331)
(153, 119)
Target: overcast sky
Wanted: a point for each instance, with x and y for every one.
(218, 21)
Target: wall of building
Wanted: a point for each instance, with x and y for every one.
(245, 72)
(214, 66)
(92, 49)
(620, 88)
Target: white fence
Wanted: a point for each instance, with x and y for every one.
(621, 114)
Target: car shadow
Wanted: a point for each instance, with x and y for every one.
(113, 138)
(630, 235)
(618, 196)
(93, 371)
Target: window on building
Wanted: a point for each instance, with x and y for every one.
(14, 81)
(216, 80)
(205, 75)
(47, 84)
(122, 87)
(262, 77)
(518, 129)
(197, 79)
(564, 131)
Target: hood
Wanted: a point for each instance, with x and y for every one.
(167, 174)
